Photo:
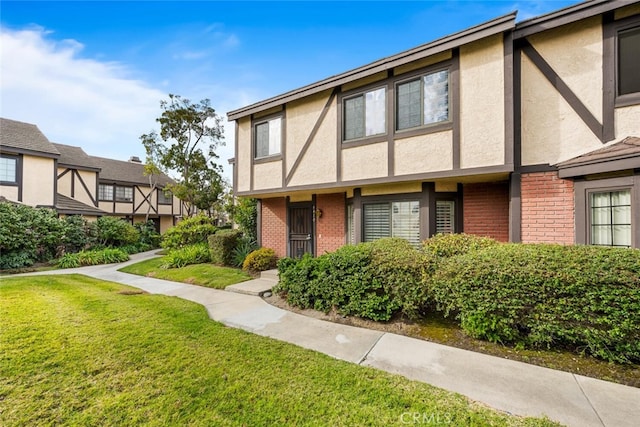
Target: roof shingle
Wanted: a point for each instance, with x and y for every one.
(121, 171)
(25, 136)
(74, 156)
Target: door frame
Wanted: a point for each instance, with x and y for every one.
(311, 205)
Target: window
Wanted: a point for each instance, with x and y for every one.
(105, 192)
(445, 216)
(124, 194)
(610, 218)
(268, 138)
(9, 169)
(164, 197)
(423, 101)
(365, 115)
(395, 219)
(629, 61)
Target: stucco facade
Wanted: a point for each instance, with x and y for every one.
(454, 136)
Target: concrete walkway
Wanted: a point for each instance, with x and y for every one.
(510, 386)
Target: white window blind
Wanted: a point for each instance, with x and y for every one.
(394, 219)
(445, 216)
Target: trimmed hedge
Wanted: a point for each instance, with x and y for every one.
(369, 280)
(581, 297)
(189, 231)
(222, 246)
(260, 260)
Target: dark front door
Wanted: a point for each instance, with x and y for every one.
(300, 230)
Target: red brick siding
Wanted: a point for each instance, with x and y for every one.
(330, 227)
(274, 225)
(547, 208)
(486, 210)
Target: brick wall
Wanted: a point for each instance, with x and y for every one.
(547, 208)
(486, 210)
(274, 225)
(330, 228)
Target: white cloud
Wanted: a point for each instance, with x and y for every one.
(97, 105)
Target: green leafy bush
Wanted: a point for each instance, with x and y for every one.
(75, 237)
(222, 244)
(448, 245)
(113, 231)
(189, 231)
(28, 235)
(584, 298)
(370, 280)
(149, 237)
(187, 255)
(93, 257)
(260, 260)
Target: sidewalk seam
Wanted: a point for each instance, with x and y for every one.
(364, 357)
(588, 400)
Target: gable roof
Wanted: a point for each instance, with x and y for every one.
(25, 138)
(489, 28)
(75, 156)
(118, 171)
(622, 155)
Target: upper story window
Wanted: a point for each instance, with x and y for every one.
(8, 169)
(105, 192)
(629, 61)
(365, 115)
(268, 137)
(423, 101)
(165, 197)
(124, 194)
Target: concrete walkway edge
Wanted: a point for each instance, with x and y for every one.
(514, 387)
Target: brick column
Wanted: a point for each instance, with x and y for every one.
(330, 227)
(486, 210)
(274, 225)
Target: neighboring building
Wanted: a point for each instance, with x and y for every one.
(37, 172)
(522, 132)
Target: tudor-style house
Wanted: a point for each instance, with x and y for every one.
(37, 172)
(523, 132)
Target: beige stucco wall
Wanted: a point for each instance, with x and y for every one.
(627, 121)
(365, 81)
(424, 62)
(64, 182)
(551, 130)
(383, 189)
(631, 10)
(424, 153)
(243, 156)
(79, 192)
(139, 195)
(267, 175)
(10, 192)
(574, 51)
(38, 176)
(482, 135)
(364, 162)
(166, 222)
(318, 164)
(164, 209)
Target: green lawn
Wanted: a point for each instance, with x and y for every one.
(207, 275)
(79, 351)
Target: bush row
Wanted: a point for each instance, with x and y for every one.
(93, 257)
(583, 298)
(29, 235)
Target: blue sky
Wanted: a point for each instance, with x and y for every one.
(92, 73)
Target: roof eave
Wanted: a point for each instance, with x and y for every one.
(486, 29)
(565, 16)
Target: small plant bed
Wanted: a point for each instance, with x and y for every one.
(79, 351)
(208, 275)
(446, 331)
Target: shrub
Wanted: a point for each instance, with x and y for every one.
(74, 236)
(189, 231)
(260, 260)
(370, 280)
(187, 255)
(113, 231)
(94, 257)
(222, 244)
(448, 245)
(28, 235)
(580, 297)
(244, 247)
(149, 237)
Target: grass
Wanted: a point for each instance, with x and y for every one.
(80, 351)
(207, 275)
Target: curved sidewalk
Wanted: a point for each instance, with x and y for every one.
(507, 385)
